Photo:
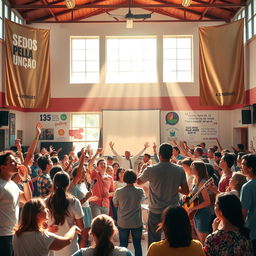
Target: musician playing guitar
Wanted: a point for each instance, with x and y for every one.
(202, 216)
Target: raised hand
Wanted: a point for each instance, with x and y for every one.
(146, 145)
(23, 172)
(39, 127)
(17, 144)
(99, 151)
(154, 147)
(111, 144)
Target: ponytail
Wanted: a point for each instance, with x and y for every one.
(103, 228)
(58, 201)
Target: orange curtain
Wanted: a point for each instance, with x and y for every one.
(221, 64)
(27, 77)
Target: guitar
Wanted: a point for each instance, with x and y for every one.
(192, 200)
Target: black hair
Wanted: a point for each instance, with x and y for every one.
(176, 226)
(240, 147)
(54, 170)
(176, 148)
(130, 177)
(218, 154)
(199, 150)
(229, 159)
(4, 156)
(43, 161)
(165, 150)
(119, 169)
(250, 161)
(147, 155)
(55, 160)
(58, 201)
(231, 208)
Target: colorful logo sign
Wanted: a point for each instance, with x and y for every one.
(63, 117)
(77, 134)
(61, 132)
(172, 118)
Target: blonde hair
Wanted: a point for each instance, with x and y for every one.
(28, 220)
(240, 180)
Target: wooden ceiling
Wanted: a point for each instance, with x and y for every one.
(55, 11)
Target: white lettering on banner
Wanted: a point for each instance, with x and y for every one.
(23, 51)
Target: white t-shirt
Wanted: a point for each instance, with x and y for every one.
(32, 243)
(9, 206)
(118, 251)
(80, 192)
(75, 212)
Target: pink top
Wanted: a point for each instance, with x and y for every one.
(102, 188)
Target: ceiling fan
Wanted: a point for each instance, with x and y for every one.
(129, 17)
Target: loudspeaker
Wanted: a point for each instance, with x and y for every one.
(4, 118)
(254, 114)
(246, 117)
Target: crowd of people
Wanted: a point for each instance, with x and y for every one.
(198, 201)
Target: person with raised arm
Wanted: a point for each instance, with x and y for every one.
(31, 236)
(127, 162)
(10, 197)
(104, 187)
(166, 180)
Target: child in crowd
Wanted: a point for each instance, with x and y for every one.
(103, 229)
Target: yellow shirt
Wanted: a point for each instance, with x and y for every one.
(163, 248)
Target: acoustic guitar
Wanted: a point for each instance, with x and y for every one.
(192, 200)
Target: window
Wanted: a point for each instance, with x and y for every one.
(84, 60)
(1, 20)
(177, 59)
(89, 125)
(131, 60)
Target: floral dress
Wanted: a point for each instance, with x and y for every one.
(227, 243)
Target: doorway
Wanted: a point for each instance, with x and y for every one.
(240, 136)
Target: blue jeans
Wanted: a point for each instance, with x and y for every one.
(136, 238)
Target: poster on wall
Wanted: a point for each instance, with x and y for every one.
(55, 126)
(190, 126)
(12, 120)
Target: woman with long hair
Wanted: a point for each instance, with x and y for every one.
(202, 216)
(31, 234)
(65, 210)
(229, 236)
(178, 235)
(102, 230)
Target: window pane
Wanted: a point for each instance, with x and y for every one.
(254, 21)
(92, 120)
(78, 120)
(6, 11)
(1, 29)
(1, 9)
(249, 27)
(177, 61)
(12, 16)
(84, 60)
(249, 11)
(131, 60)
(92, 134)
(254, 7)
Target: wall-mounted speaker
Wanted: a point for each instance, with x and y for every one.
(246, 117)
(4, 118)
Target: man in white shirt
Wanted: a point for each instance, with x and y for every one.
(10, 197)
(127, 162)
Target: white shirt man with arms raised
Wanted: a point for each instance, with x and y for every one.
(166, 181)
(10, 197)
(128, 161)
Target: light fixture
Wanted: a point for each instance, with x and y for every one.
(186, 3)
(129, 23)
(70, 3)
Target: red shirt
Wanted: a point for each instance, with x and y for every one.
(224, 182)
(102, 188)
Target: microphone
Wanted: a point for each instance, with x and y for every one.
(93, 183)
